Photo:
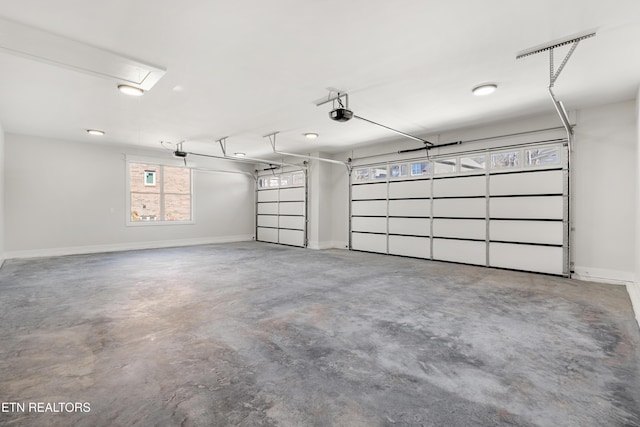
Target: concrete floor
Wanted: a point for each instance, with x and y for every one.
(257, 334)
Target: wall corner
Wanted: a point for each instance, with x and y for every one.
(634, 294)
(2, 185)
(634, 289)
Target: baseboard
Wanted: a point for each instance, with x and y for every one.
(79, 250)
(327, 245)
(613, 277)
(634, 295)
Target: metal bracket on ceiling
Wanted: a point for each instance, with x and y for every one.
(333, 98)
(223, 145)
(272, 141)
(572, 40)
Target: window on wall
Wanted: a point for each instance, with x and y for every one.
(159, 193)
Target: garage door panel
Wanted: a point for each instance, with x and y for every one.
(375, 208)
(463, 186)
(268, 235)
(418, 247)
(292, 208)
(268, 195)
(410, 189)
(412, 226)
(462, 251)
(540, 182)
(291, 237)
(548, 207)
(292, 194)
(296, 222)
(415, 208)
(547, 232)
(369, 191)
(543, 259)
(460, 208)
(267, 221)
(369, 242)
(460, 228)
(371, 225)
(267, 208)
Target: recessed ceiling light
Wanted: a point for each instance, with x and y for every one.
(96, 132)
(239, 154)
(485, 89)
(130, 90)
(311, 135)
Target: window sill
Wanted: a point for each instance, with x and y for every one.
(157, 223)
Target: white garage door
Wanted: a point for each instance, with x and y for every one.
(281, 209)
(504, 208)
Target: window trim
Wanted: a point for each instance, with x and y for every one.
(160, 162)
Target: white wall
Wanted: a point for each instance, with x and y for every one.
(322, 186)
(634, 288)
(66, 197)
(339, 184)
(604, 190)
(313, 204)
(2, 234)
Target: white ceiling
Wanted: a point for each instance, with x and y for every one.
(250, 67)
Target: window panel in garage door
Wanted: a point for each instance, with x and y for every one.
(281, 209)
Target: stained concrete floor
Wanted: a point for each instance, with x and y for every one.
(255, 334)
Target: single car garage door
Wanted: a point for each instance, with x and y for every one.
(281, 208)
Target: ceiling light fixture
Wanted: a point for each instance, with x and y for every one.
(96, 132)
(311, 135)
(130, 90)
(239, 154)
(484, 89)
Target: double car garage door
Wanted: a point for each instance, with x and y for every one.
(506, 209)
(281, 209)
